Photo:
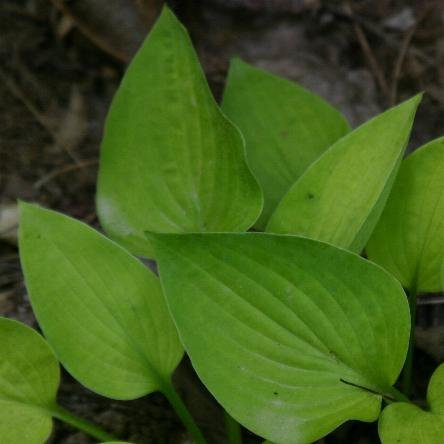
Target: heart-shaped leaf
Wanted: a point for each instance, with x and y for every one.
(100, 308)
(285, 127)
(170, 160)
(405, 423)
(409, 239)
(292, 336)
(341, 195)
(29, 379)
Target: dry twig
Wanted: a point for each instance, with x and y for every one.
(405, 44)
(67, 169)
(17, 92)
(368, 52)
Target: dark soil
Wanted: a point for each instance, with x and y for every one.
(60, 63)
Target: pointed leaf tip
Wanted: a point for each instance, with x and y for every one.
(170, 159)
(237, 64)
(340, 197)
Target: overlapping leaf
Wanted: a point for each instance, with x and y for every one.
(405, 423)
(409, 238)
(285, 127)
(170, 160)
(29, 379)
(292, 336)
(341, 195)
(100, 308)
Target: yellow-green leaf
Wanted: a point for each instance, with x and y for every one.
(409, 238)
(29, 379)
(341, 195)
(170, 160)
(100, 308)
(285, 127)
(292, 336)
(406, 423)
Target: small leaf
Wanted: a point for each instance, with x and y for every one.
(409, 238)
(285, 127)
(100, 308)
(406, 423)
(170, 160)
(285, 330)
(341, 195)
(29, 379)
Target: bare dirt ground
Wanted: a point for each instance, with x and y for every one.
(60, 63)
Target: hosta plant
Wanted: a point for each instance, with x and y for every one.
(291, 328)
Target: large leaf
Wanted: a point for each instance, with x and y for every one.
(405, 423)
(341, 195)
(442, 274)
(170, 160)
(285, 127)
(409, 238)
(29, 379)
(100, 308)
(283, 330)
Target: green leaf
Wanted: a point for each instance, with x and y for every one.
(282, 330)
(29, 379)
(341, 195)
(442, 274)
(285, 127)
(170, 160)
(409, 238)
(406, 423)
(100, 308)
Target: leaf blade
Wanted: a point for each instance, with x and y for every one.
(99, 307)
(29, 379)
(341, 195)
(285, 126)
(271, 336)
(170, 160)
(409, 239)
(409, 424)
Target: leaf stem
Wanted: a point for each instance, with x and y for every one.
(407, 372)
(233, 429)
(391, 394)
(396, 396)
(82, 424)
(182, 411)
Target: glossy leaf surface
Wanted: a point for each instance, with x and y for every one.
(29, 379)
(100, 308)
(285, 127)
(409, 238)
(282, 329)
(341, 195)
(170, 160)
(406, 423)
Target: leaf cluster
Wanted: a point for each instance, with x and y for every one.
(290, 328)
